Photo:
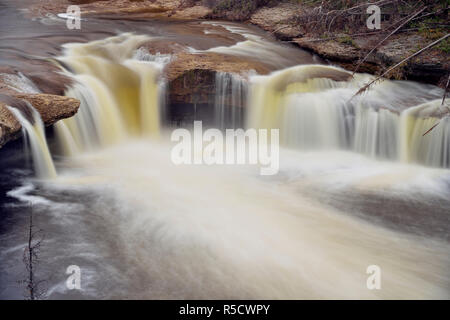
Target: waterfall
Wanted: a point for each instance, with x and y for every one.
(230, 100)
(119, 92)
(432, 149)
(33, 130)
(315, 107)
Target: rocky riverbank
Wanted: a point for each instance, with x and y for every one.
(281, 19)
(191, 75)
(51, 108)
(430, 67)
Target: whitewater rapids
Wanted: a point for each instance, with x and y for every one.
(140, 227)
(225, 232)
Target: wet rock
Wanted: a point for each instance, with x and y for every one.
(427, 67)
(193, 86)
(192, 83)
(85, 1)
(184, 63)
(278, 20)
(430, 67)
(191, 77)
(144, 8)
(342, 54)
(195, 12)
(51, 108)
(9, 126)
(331, 50)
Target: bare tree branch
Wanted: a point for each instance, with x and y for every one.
(387, 37)
(30, 259)
(446, 90)
(367, 86)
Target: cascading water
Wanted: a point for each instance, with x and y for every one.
(19, 83)
(119, 93)
(33, 129)
(230, 100)
(315, 107)
(270, 52)
(142, 227)
(432, 149)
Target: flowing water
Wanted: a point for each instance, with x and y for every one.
(33, 131)
(236, 88)
(389, 121)
(358, 184)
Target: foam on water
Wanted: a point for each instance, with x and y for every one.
(222, 232)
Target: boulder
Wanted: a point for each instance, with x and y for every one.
(191, 77)
(278, 20)
(51, 108)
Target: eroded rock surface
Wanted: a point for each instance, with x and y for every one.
(428, 67)
(51, 108)
(431, 67)
(9, 126)
(142, 8)
(278, 20)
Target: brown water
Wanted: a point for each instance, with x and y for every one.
(140, 227)
(27, 44)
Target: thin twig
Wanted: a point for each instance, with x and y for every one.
(446, 90)
(401, 62)
(379, 43)
(354, 35)
(431, 129)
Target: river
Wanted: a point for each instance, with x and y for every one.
(356, 185)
